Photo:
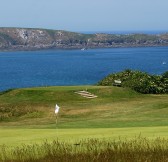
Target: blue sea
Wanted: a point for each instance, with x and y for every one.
(76, 67)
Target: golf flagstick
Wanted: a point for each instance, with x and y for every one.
(56, 114)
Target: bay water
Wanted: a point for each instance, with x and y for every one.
(76, 67)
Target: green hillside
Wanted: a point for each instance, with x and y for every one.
(116, 123)
(114, 107)
(37, 39)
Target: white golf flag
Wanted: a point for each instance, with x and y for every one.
(56, 109)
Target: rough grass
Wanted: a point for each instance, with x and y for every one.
(137, 150)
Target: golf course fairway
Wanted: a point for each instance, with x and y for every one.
(27, 115)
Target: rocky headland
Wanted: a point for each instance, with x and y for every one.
(36, 39)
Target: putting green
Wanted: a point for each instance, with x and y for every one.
(16, 137)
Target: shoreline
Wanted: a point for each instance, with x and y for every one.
(19, 39)
(79, 48)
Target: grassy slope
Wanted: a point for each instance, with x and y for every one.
(114, 108)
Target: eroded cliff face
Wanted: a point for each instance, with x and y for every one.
(34, 39)
(25, 38)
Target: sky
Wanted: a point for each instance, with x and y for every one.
(86, 15)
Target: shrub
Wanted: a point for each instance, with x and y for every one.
(165, 75)
(139, 81)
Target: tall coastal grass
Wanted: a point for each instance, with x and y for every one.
(90, 150)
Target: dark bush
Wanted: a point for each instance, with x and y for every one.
(165, 75)
(139, 81)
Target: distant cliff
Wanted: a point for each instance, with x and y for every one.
(34, 39)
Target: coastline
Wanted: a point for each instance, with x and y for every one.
(24, 39)
(15, 49)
